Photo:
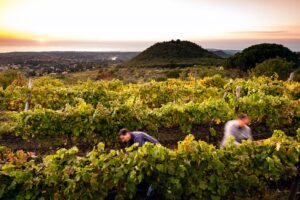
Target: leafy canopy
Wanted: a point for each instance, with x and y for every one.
(250, 56)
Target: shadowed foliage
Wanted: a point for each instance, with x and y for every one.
(250, 56)
(280, 66)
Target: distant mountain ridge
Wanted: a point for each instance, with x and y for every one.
(8, 58)
(220, 53)
(224, 53)
(172, 53)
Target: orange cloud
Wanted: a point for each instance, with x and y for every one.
(264, 35)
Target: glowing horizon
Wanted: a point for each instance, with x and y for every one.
(135, 24)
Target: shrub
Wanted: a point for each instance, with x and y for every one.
(7, 77)
(269, 67)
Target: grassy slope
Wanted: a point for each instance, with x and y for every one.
(174, 53)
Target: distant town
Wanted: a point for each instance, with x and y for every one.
(53, 63)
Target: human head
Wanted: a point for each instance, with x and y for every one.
(243, 119)
(124, 135)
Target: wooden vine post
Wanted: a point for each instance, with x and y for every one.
(28, 100)
(195, 84)
(238, 95)
(238, 91)
(291, 77)
(226, 89)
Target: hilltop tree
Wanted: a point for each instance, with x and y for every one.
(253, 55)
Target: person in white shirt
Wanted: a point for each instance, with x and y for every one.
(238, 129)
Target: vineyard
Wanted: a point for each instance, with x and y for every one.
(93, 110)
(89, 114)
(195, 170)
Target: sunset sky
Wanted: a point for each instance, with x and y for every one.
(133, 25)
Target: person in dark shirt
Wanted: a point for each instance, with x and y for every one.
(140, 138)
(131, 138)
